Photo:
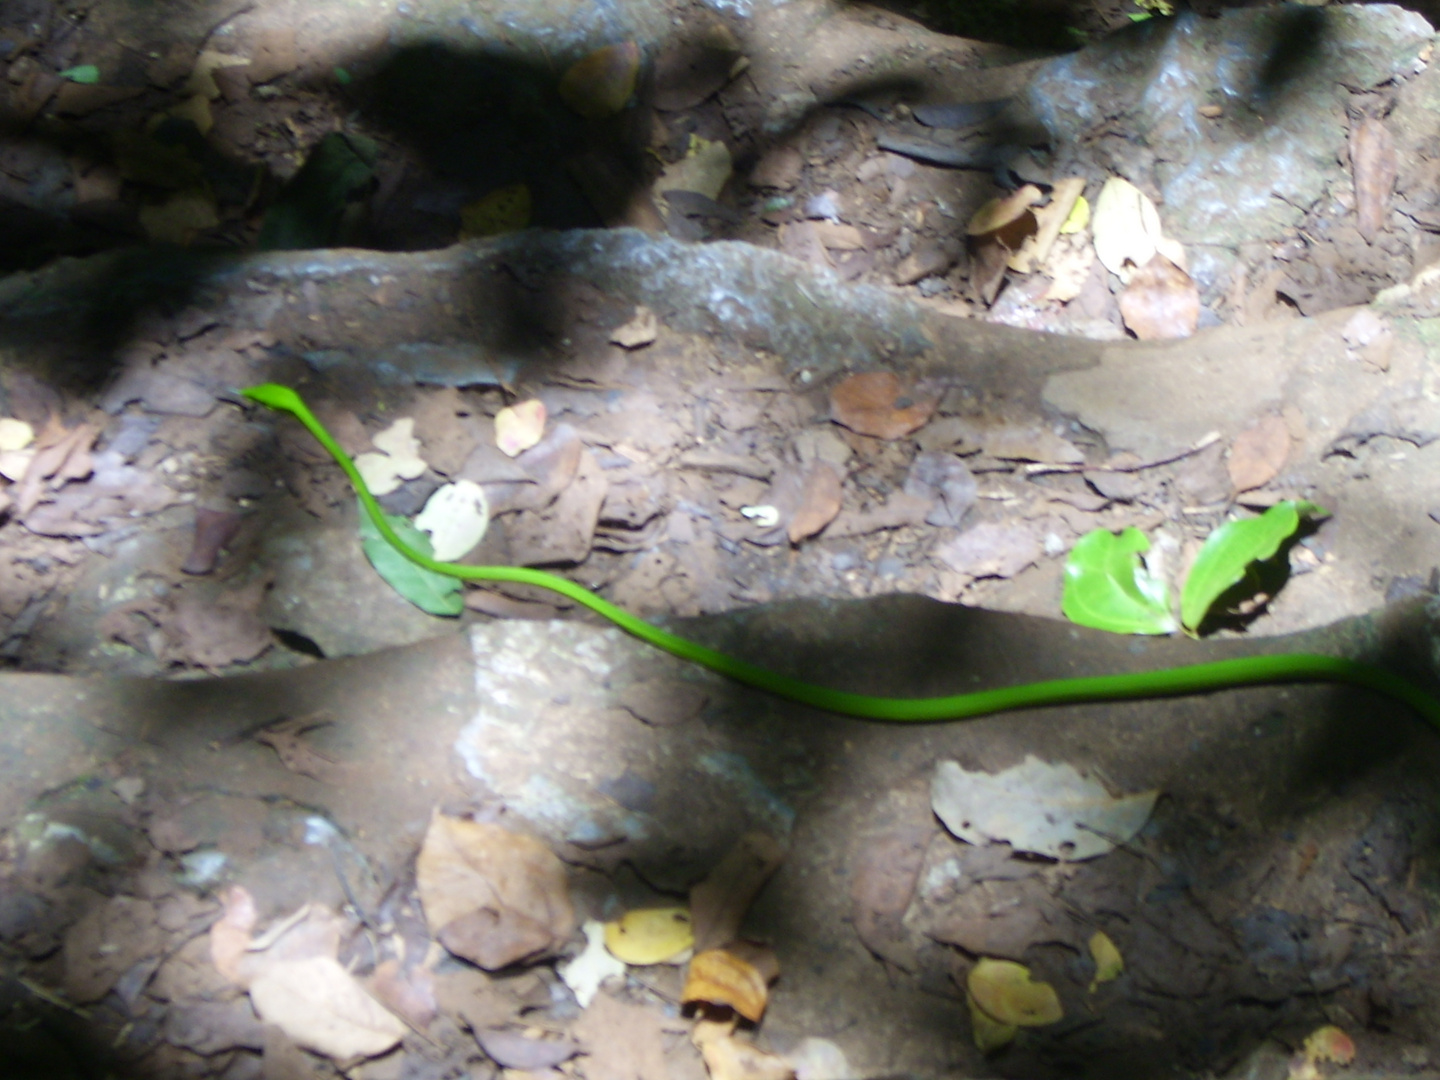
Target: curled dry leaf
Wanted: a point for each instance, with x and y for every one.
(880, 404)
(650, 935)
(1035, 250)
(601, 83)
(492, 896)
(1161, 302)
(1003, 211)
(819, 502)
(1006, 993)
(322, 1008)
(721, 977)
(520, 426)
(1373, 168)
(1258, 453)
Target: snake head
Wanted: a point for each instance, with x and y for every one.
(275, 396)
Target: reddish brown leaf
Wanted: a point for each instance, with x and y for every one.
(213, 530)
(819, 504)
(1259, 453)
(879, 403)
(1160, 302)
(600, 83)
(1373, 167)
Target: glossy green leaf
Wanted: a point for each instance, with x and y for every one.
(1229, 551)
(88, 74)
(435, 593)
(1107, 586)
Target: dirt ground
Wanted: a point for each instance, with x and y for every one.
(796, 403)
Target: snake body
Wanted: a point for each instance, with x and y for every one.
(1165, 682)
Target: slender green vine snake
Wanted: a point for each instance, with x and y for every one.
(1166, 682)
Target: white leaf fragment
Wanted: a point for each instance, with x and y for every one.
(398, 458)
(593, 966)
(1127, 231)
(1045, 809)
(456, 517)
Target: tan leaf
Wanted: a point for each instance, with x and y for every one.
(727, 1058)
(719, 902)
(623, 1042)
(1005, 991)
(520, 426)
(1035, 250)
(491, 895)
(720, 977)
(1068, 267)
(819, 503)
(1373, 167)
(640, 330)
(1258, 453)
(601, 83)
(880, 404)
(321, 1006)
(1161, 301)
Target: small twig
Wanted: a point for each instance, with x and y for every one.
(1039, 467)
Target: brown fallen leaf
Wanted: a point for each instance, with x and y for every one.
(729, 1058)
(600, 83)
(624, 1042)
(105, 943)
(819, 502)
(1005, 210)
(287, 740)
(323, 1008)
(407, 992)
(230, 934)
(1035, 250)
(213, 530)
(1374, 168)
(880, 404)
(1161, 302)
(882, 885)
(492, 896)
(990, 549)
(718, 903)
(1258, 453)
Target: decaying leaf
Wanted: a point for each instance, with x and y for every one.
(512, 1049)
(1109, 964)
(587, 972)
(1374, 168)
(601, 83)
(650, 935)
(882, 884)
(622, 1041)
(1045, 809)
(1161, 302)
(492, 896)
(520, 426)
(640, 330)
(705, 168)
(1258, 453)
(719, 902)
(819, 502)
(321, 1006)
(504, 210)
(880, 404)
(456, 517)
(1127, 231)
(725, 978)
(395, 459)
(1068, 267)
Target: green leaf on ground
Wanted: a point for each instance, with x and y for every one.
(308, 211)
(435, 593)
(88, 74)
(1107, 586)
(1229, 551)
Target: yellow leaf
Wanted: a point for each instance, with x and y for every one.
(1004, 990)
(989, 1034)
(1078, 217)
(503, 210)
(600, 83)
(1329, 1043)
(705, 168)
(650, 935)
(1108, 961)
(719, 977)
(997, 213)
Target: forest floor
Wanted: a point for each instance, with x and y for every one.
(783, 364)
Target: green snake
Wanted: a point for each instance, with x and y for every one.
(1166, 682)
